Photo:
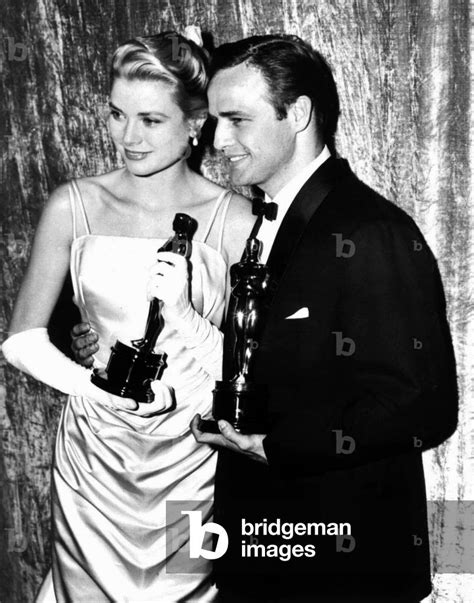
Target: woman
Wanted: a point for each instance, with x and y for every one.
(118, 462)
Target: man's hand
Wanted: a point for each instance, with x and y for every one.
(250, 445)
(84, 344)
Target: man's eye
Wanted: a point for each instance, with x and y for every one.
(236, 120)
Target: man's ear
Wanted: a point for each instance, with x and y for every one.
(196, 122)
(301, 112)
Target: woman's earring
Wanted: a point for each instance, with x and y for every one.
(195, 140)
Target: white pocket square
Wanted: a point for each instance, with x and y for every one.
(301, 313)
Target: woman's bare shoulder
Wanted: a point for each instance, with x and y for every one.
(107, 183)
(58, 205)
(238, 224)
(239, 212)
(240, 208)
(86, 184)
(239, 219)
(205, 190)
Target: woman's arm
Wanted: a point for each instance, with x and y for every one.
(28, 348)
(47, 267)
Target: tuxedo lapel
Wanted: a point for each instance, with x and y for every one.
(302, 209)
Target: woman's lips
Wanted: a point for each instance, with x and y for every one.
(135, 155)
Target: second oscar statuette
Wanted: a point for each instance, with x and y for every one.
(239, 400)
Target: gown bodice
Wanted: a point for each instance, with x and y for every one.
(110, 275)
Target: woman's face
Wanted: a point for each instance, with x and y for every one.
(148, 128)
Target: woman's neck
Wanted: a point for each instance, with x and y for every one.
(163, 188)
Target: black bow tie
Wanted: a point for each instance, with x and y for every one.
(268, 211)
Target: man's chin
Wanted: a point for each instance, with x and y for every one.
(241, 178)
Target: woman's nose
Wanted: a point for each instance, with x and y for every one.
(131, 133)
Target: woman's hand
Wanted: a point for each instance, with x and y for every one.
(163, 402)
(169, 282)
(96, 394)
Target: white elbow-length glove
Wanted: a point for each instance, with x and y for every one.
(169, 282)
(32, 352)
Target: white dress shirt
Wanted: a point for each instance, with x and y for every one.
(284, 198)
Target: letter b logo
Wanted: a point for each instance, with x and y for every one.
(179, 50)
(345, 346)
(197, 532)
(345, 248)
(341, 441)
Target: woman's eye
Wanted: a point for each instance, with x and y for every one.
(151, 122)
(115, 114)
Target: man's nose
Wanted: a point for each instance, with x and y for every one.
(222, 135)
(131, 133)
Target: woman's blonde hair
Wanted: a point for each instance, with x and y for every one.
(166, 57)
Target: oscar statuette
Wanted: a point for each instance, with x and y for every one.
(239, 400)
(131, 369)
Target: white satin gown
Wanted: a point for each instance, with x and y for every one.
(114, 471)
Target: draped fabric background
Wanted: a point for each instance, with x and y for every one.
(404, 73)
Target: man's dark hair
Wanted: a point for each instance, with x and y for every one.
(291, 68)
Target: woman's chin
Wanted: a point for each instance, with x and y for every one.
(144, 170)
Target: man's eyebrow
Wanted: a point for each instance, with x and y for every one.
(228, 114)
(233, 114)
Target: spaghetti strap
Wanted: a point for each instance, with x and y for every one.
(223, 217)
(73, 211)
(215, 209)
(76, 200)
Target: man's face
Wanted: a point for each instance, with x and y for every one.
(259, 147)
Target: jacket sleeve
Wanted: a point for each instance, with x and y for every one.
(395, 390)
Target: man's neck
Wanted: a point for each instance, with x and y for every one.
(284, 177)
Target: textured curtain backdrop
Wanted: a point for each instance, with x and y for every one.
(404, 74)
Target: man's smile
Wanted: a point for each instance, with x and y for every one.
(236, 158)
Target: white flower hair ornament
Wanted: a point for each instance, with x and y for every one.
(193, 33)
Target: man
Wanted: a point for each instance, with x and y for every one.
(356, 353)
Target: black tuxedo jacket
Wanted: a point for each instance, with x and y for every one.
(358, 389)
